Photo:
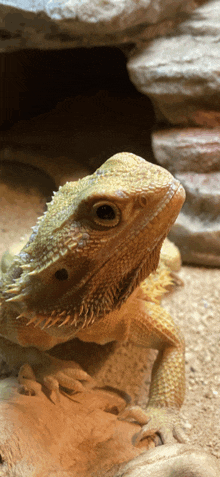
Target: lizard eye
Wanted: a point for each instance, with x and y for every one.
(106, 213)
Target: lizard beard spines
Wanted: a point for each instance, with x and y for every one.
(45, 322)
(97, 302)
(101, 301)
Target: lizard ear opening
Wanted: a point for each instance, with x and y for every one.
(106, 213)
(61, 274)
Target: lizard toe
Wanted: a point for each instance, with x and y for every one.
(67, 374)
(28, 384)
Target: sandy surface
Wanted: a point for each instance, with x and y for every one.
(195, 307)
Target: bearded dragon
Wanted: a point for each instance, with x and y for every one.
(83, 274)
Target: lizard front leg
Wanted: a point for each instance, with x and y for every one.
(147, 324)
(153, 327)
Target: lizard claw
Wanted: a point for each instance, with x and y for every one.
(160, 421)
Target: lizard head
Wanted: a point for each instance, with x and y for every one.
(97, 240)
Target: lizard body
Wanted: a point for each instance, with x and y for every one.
(82, 274)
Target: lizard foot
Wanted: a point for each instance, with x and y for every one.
(159, 421)
(52, 373)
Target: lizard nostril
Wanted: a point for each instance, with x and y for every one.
(61, 274)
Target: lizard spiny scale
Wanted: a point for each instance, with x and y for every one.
(45, 325)
(32, 320)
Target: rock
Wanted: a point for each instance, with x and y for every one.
(81, 436)
(177, 460)
(193, 156)
(180, 72)
(189, 149)
(70, 23)
(197, 229)
(112, 16)
(78, 436)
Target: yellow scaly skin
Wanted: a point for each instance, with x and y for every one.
(82, 274)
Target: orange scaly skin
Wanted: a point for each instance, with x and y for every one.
(82, 274)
